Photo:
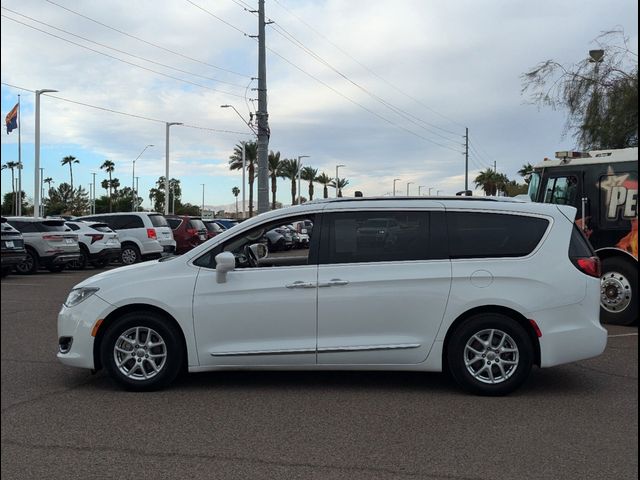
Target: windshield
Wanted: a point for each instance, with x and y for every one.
(534, 186)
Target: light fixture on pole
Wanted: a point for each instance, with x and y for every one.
(36, 180)
(408, 183)
(134, 191)
(300, 157)
(337, 189)
(438, 193)
(420, 187)
(394, 185)
(248, 124)
(166, 177)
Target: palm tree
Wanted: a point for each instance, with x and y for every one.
(251, 157)
(108, 166)
(274, 172)
(340, 184)
(491, 182)
(309, 174)
(12, 165)
(289, 169)
(236, 192)
(324, 180)
(48, 181)
(70, 160)
(526, 171)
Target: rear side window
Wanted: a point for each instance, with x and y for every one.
(379, 236)
(174, 222)
(492, 235)
(125, 222)
(101, 227)
(158, 220)
(52, 226)
(73, 226)
(213, 227)
(196, 224)
(24, 227)
(579, 247)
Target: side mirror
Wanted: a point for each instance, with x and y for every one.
(225, 262)
(259, 250)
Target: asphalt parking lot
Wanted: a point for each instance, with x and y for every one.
(575, 421)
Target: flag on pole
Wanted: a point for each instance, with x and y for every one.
(12, 119)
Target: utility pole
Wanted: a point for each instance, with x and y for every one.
(19, 211)
(93, 202)
(466, 160)
(137, 206)
(263, 116)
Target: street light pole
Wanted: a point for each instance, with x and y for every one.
(394, 185)
(93, 202)
(337, 189)
(420, 187)
(202, 209)
(430, 188)
(408, 183)
(134, 192)
(166, 178)
(438, 193)
(42, 192)
(300, 157)
(36, 180)
(137, 206)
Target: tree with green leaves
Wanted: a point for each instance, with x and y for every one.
(236, 192)
(108, 166)
(12, 166)
(251, 158)
(65, 200)
(48, 181)
(70, 160)
(309, 174)
(600, 93)
(157, 194)
(525, 172)
(324, 180)
(289, 170)
(339, 184)
(9, 203)
(274, 172)
(491, 182)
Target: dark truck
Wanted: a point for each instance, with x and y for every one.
(603, 186)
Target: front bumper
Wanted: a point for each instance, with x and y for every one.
(75, 325)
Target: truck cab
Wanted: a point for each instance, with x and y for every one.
(603, 186)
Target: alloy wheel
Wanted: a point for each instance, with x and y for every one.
(491, 356)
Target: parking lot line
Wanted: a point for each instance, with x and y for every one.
(624, 335)
(23, 284)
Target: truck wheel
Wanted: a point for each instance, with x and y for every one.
(618, 292)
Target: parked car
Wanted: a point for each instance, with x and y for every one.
(48, 243)
(482, 288)
(300, 238)
(13, 251)
(226, 223)
(304, 225)
(188, 232)
(99, 245)
(279, 239)
(212, 227)
(142, 235)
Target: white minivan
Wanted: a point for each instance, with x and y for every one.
(482, 288)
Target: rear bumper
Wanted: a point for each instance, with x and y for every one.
(60, 259)
(106, 254)
(13, 257)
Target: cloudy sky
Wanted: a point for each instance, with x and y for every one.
(417, 73)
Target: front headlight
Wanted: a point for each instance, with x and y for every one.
(78, 295)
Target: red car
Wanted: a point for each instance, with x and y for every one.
(188, 232)
(213, 228)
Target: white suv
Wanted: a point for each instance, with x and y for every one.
(480, 287)
(143, 235)
(98, 244)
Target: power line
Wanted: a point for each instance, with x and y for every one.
(121, 60)
(146, 41)
(122, 51)
(218, 18)
(399, 90)
(110, 110)
(402, 113)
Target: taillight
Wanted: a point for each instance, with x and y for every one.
(192, 231)
(151, 233)
(588, 265)
(94, 237)
(52, 238)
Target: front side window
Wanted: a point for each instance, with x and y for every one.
(382, 236)
(282, 248)
(561, 190)
(493, 235)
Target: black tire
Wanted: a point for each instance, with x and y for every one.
(100, 263)
(130, 254)
(619, 282)
(30, 264)
(481, 325)
(56, 268)
(81, 263)
(168, 368)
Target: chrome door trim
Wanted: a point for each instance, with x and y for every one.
(293, 351)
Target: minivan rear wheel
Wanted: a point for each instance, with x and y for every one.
(490, 354)
(130, 255)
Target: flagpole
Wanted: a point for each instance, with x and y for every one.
(19, 209)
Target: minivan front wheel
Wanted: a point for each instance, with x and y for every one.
(490, 354)
(142, 351)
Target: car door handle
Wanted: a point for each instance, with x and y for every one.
(301, 284)
(334, 282)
